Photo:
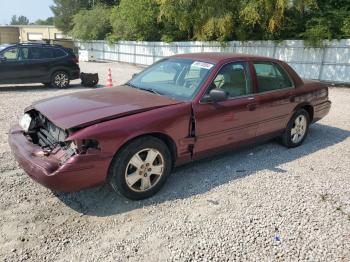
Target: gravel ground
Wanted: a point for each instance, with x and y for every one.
(261, 203)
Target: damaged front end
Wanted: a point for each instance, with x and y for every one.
(48, 156)
(52, 139)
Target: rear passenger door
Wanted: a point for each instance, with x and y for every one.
(274, 98)
(37, 61)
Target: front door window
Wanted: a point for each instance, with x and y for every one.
(235, 79)
(11, 54)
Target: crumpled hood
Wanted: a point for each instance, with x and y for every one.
(88, 107)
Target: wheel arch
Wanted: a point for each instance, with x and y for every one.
(170, 143)
(308, 108)
(60, 69)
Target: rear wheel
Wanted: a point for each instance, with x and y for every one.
(60, 79)
(141, 168)
(297, 129)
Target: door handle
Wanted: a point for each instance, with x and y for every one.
(252, 106)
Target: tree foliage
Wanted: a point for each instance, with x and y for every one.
(198, 20)
(20, 20)
(92, 24)
(48, 21)
(135, 20)
(206, 20)
(64, 10)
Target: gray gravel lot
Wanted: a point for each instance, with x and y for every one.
(260, 203)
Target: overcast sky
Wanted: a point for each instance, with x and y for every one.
(33, 9)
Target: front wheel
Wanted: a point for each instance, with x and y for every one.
(141, 168)
(297, 129)
(60, 79)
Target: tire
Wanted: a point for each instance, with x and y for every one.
(297, 129)
(134, 175)
(60, 79)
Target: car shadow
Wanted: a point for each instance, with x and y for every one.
(202, 176)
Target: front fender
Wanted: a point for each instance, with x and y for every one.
(172, 121)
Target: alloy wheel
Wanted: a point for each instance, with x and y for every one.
(144, 170)
(61, 80)
(299, 129)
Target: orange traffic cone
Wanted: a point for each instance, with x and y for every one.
(109, 78)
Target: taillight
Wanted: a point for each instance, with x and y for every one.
(75, 60)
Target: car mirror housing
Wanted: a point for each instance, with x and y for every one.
(215, 95)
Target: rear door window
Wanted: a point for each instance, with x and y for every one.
(58, 53)
(271, 76)
(36, 53)
(46, 53)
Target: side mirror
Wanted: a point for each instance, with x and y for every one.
(215, 95)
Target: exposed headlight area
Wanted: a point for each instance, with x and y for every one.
(26, 122)
(52, 139)
(43, 132)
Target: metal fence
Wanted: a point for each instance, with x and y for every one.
(331, 62)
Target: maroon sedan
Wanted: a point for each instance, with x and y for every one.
(180, 109)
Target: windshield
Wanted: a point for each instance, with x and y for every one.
(176, 78)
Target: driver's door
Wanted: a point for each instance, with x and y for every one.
(222, 125)
(9, 65)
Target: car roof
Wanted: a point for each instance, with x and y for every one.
(2, 46)
(33, 44)
(216, 57)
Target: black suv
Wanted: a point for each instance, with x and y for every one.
(38, 63)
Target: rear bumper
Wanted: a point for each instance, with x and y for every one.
(79, 172)
(321, 110)
(75, 74)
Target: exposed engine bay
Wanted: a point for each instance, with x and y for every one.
(46, 134)
(52, 139)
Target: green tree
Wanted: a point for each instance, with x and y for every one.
(330, 20)
(205, 20)
(64, 10)
(346, 27)
(199, 20)
(135, 20)
(20, 20)
(48, 21)
(92, 24)
(103, 2)
(263, 18)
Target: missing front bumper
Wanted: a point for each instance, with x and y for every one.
(79, 172)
